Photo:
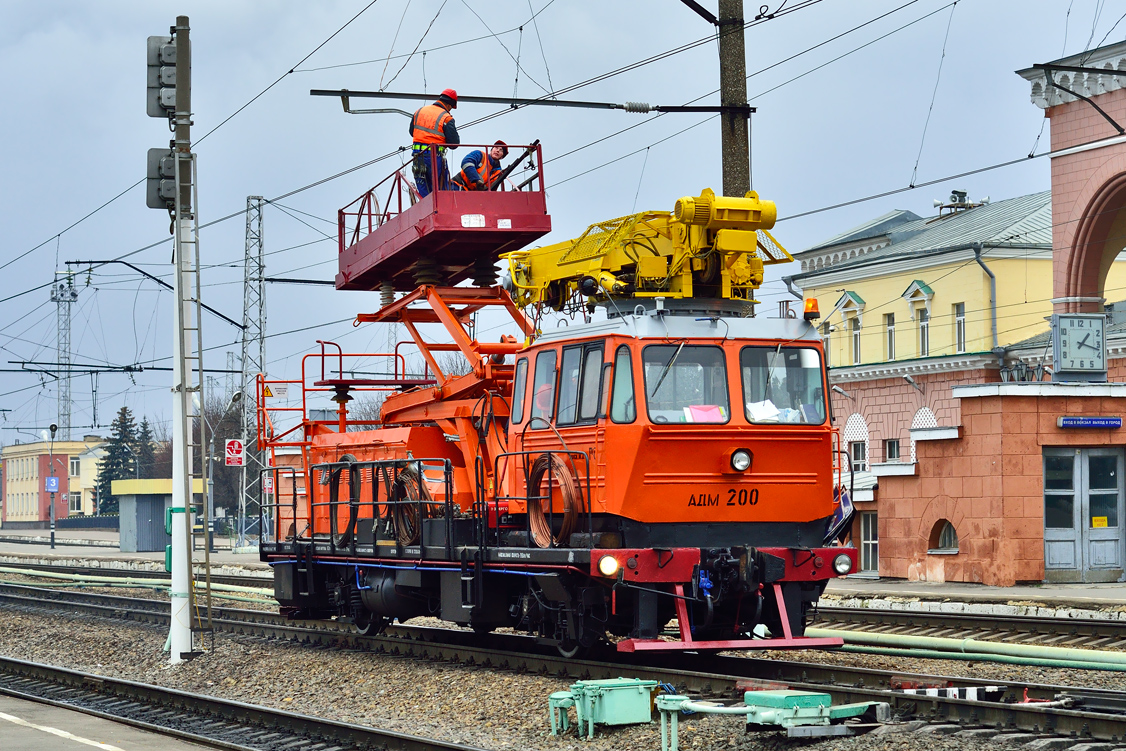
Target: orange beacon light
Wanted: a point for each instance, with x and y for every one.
(811, 311)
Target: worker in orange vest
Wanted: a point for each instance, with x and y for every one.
(432, 129)
(478, 171)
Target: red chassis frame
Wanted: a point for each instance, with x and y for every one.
(679, 567)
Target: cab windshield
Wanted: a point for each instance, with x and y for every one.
(685, 383)
(783, 385)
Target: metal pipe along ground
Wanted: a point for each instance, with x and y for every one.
(973, 646)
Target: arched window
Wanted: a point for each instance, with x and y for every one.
(943, 538)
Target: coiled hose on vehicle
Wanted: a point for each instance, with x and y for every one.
(558, 474)
(408, 490)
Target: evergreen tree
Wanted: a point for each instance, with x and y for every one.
(118, 463)
(146, 450)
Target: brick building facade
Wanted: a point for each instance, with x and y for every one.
(968, 470)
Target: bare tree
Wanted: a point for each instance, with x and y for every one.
(366, 409)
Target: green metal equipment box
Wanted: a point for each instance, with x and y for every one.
(615, 701)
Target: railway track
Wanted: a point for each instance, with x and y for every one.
(1083, 713)
(218, 723)
(1090, 633)
(239, 581)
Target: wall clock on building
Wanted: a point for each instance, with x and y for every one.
(1079, 347)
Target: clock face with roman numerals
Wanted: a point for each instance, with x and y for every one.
(1080, 345)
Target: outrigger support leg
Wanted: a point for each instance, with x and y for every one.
(787, 640)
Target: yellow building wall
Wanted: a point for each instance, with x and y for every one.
(22, 483)
(1024, 291)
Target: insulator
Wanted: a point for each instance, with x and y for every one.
(638, 107)
(386, 294)
(484, 272)
(426, 271)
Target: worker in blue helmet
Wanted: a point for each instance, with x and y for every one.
(480, 171)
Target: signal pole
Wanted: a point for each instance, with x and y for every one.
(171, 185)
(735, 117)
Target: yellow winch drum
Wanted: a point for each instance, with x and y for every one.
(725, 212)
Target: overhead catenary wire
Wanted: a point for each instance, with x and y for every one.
(197, 141)
(241, 212)
(438, 48)
(934, 94)
(411, 55)
(668, 53)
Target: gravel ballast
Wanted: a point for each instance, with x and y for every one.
(478, 706)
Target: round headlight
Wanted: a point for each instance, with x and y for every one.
(842, 564)
(741, 460)
(608, 565)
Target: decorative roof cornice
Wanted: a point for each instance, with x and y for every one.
(951, 363)
(1111, 58)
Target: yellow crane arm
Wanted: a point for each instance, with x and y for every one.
(709, 246)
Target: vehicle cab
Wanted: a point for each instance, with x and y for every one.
(684, 421)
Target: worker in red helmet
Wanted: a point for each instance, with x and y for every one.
(433, 131)
(480, 171)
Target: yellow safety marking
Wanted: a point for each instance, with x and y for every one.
(60, 733)
(266, 391)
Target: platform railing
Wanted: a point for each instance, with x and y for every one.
(366, 213)
(393, 374)
(272, 516)
(374, 491)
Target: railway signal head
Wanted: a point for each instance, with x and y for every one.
(160, 190)
(161, 99)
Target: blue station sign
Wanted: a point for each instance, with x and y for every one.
(1075, 421)
(52, 484)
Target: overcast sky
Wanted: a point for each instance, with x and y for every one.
(75, 133)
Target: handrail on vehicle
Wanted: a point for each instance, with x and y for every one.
(365, 214)
(275, 506)
(481, 504)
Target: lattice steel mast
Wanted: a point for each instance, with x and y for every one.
(253, 362)
(63, 294)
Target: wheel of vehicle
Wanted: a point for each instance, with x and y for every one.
(370, 624)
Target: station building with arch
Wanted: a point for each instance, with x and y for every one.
(967, 467)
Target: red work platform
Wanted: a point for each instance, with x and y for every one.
(452, 229)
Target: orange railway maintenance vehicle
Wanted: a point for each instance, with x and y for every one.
(666, 455)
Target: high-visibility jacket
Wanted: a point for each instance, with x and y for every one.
(433, 124)
(477, 164)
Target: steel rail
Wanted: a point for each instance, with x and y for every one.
(239, 581)
(1049, 631)
(712, 675)
(220, 723)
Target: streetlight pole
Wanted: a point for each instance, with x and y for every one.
(235, 399)
(53, 481)
(136, 461)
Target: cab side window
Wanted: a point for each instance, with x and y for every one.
(569, 385)
(518, 388)
(543, 387)
(623, 406)
(591, 384)
(580, 382)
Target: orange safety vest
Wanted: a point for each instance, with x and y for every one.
(428, 123)
(487, 173)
